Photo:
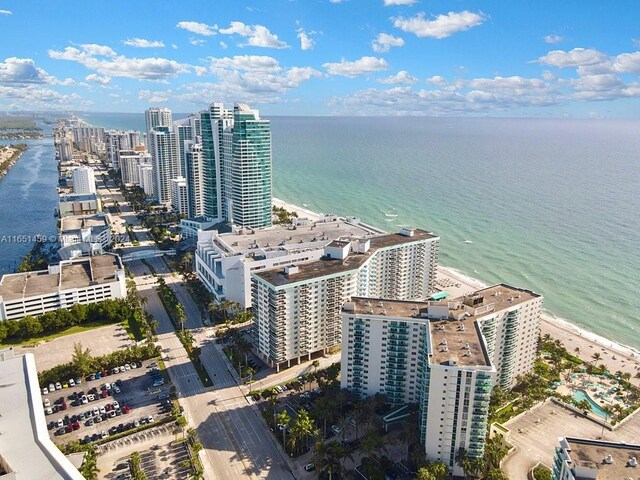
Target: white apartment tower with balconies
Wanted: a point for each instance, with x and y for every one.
(84, 180)
(297, 309)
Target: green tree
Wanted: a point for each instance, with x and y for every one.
(81, 359)
(301, 430)
(283, 419)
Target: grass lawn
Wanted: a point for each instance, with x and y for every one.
(63, 333)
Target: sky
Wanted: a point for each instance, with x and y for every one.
(508, 58)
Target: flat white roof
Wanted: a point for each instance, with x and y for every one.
(25, 446)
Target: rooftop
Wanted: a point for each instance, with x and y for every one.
(327, 266)
(78, 197)
(502, 295)
(77, 222)
(285, 238)
(590, 455)
(25, 446)
(464, 344)
(77, 273)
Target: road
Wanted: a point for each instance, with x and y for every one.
(236, 442)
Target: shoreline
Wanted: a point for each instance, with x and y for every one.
(7, 164)
(615, 355)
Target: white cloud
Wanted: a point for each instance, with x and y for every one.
(99, 50)
(359, 67)
(336, 1)
(306, 42)
(436, 80)
(153, 69)
(402, 77)
(257, 35)
(198, 28)
(223, 45)
(553, 38)
(94, 77)
(388, 3)
(143, 43)
(574, 58)
(635, 42)
(627, 63)
(6, 12)
(155, 97)
(197, 41)
(200, 71)
(254, 63)
(383, 42)
(30, 97)
(255, 79)
(441, 26)
(23, 70)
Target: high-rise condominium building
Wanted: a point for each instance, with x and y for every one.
(297, 309)
(130, 163)
(156, 117)
(246, 169)
(165, 162)
(194, 172)
(179, 197)
(391, 347)
(84, 180)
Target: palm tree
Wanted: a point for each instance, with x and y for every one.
(283, 419)
(324, 409)
(81, 359)
(596, 356)
(182, 315)
(302, 429)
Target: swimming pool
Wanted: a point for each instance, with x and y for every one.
(580, 395)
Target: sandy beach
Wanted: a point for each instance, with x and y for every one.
(578, 341)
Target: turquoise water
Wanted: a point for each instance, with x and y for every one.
(580, 395)
(547, 204)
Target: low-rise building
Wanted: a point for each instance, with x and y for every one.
(582, 459)
(26, 450)
(92, 229)
(225, 261)
(84, 280)
(79, 204)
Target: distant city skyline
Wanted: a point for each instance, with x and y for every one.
(326, 57)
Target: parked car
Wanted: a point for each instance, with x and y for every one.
(150, 419)
(116, 390)
(46, 403)
(52, 387)
(336, 429)
(58, 386)
(72, 382)
(126, 409)
(48, 411)
(45, 391)
(158, 383)
(309, 467)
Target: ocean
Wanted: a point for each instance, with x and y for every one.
(552, 205)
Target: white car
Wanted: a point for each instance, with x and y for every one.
(116, 389)
(336, 429)
(72, 382)
(150, 419)
(95, 411)
(127, 367)
(102, 409)
(52, 387)
(122, 368)
(116, 404)
(45, 391)
(48, 411)
(46, 403)
(91, 397)
(60, 423)
(58, 386)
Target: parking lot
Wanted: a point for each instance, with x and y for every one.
(107, 405)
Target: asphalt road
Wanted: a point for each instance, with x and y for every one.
(236, 442)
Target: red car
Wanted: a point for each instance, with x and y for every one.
(104, 394)
(105, 373)
(63, 405)
(108, 407)
(75, 426)
(127, 409)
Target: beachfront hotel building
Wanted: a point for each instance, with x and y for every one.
(393, 348)
(26, 449)
(581, 458)
(130, 163)
(84, 280)
(296, 308)
(84, 180)
(194, 173)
